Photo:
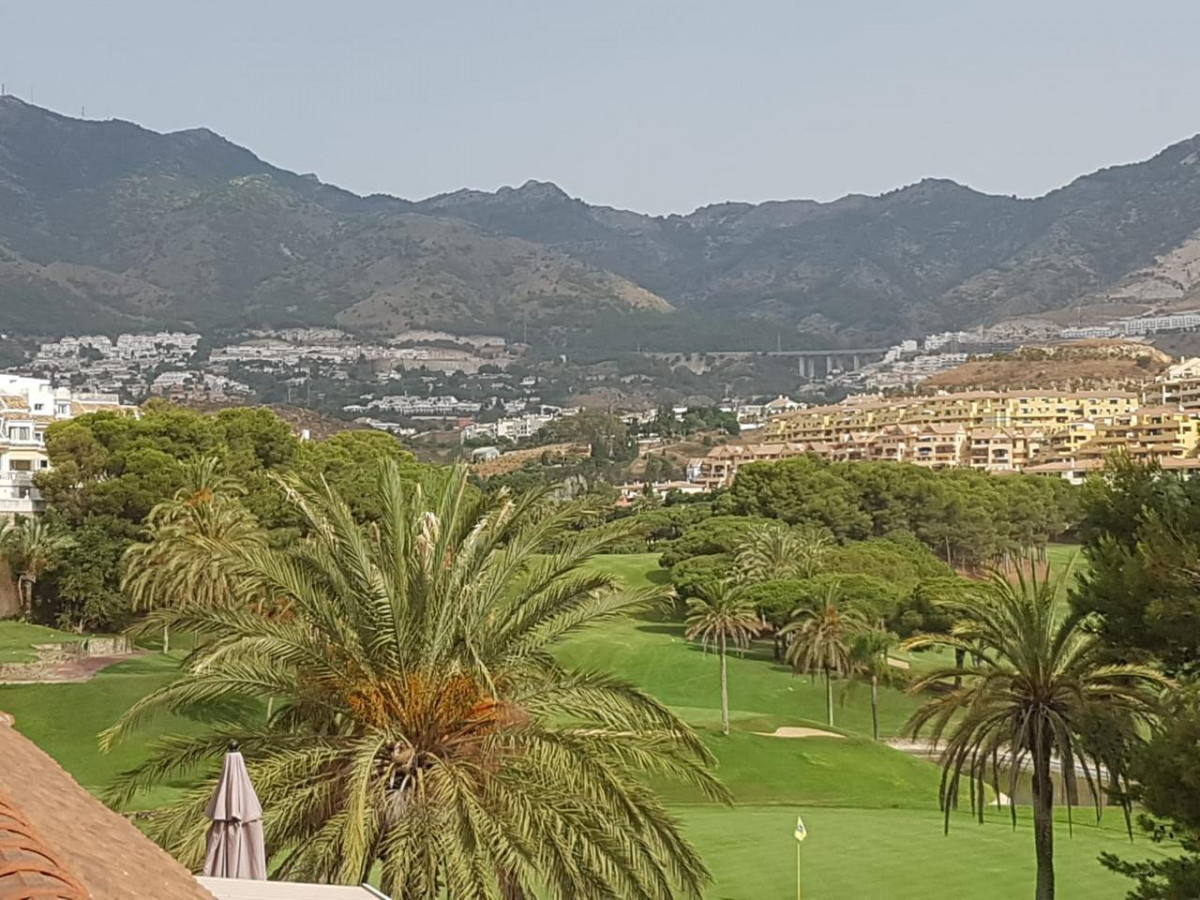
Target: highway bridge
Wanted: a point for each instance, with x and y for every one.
(811, 365)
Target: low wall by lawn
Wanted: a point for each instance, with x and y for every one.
(52, 656)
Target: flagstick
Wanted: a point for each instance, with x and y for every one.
(800, 834)
(798, 897)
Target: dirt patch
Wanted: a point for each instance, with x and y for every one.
(74, 671)
(510, 462)
(1081, 365)
(921, 748)
(791, 732)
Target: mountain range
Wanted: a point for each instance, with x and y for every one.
(105, 225)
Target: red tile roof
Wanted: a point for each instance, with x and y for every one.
(28, 867)
(57, 842)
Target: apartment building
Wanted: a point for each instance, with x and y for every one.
(1167, 435)
(1046, 410)
(931, 446)
(1065, 434)
(1005, 449)
(27, 407)
(720, 466)
(1179, 385)
(1152, 433)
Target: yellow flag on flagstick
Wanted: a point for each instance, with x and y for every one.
(801, 831)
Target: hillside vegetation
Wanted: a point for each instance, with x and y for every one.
(106, 225)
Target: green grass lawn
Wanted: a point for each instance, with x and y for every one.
(17, 640)
(894, 854)
(874, 825)
(651, 652)
(1061, 555)
(871, 811)
(66, 719)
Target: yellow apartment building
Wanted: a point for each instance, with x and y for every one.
(1047, 410)
(1179, 385)
(993, 431)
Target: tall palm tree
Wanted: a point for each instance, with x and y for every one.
(30, 547)
(1039, 677)
(772, 551)
(175, 566)
(869, 650)
(424, 728)
(821, 639)
(720, 615)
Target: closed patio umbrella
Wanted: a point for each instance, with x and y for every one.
(235, 839)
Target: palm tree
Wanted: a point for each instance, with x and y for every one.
(175, 566)
(821, 639)
(869, 658)
(1040, 676)
(30, 547)
(719, 615)
(772, 552)
(424, 728)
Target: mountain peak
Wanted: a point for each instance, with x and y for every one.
(534, 190)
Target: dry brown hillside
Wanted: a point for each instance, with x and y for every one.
(510, 462)
(1076, 366)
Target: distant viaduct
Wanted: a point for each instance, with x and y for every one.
(810, 364)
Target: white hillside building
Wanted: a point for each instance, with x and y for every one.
(27, 407)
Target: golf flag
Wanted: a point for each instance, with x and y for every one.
(801, 831)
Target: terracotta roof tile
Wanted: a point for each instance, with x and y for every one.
(65, 845)
(29, 868)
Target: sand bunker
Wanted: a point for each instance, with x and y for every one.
(788, 732)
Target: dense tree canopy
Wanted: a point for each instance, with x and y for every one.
(1141, 588)
(718, 534)
(110, 471)
(969, 518)
(1141, 530)
(896, 579)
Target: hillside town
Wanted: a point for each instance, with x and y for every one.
(477, 386)
(184, 366)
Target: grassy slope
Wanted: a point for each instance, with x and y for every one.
(65, 719)
(653, 654)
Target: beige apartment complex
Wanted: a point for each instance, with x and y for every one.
(27, 407)
(1179, 385)
(975, 409)
(1042, 432)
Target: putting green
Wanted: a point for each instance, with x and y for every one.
(895, 854)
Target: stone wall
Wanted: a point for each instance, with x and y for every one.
(97, 645)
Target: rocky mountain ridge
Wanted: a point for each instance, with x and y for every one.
(107, 225)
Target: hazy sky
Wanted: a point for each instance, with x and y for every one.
(647, 104)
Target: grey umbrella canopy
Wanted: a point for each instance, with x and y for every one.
(235, 839)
